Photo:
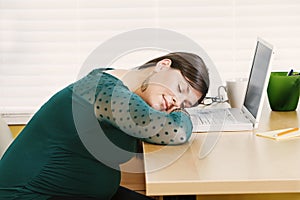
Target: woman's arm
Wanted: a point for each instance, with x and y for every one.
(130, 113)
(116, 104)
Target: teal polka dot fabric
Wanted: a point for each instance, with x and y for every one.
(55, 159)
(116, 104)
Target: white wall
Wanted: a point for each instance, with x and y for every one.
(43, 43)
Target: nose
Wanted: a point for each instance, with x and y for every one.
(180, 101)
(175, 102)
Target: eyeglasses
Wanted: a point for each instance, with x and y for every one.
(210, 100)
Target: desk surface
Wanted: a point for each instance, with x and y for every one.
(239, 163)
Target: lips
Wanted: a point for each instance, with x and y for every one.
(165, 103)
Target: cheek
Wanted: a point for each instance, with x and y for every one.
(152, 95)
(155, 90)
(148, 96)
(153, 101)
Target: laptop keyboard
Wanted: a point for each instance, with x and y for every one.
(214, 117)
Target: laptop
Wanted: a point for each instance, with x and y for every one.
(246, 118)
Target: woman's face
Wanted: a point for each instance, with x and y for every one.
(168, 89)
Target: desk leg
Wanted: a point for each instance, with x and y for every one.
(184, 197)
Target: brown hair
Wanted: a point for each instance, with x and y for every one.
(192, 68)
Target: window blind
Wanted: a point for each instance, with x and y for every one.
(43, 43)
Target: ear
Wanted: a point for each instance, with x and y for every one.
(164, 64)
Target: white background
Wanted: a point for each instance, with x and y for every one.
(43, 43)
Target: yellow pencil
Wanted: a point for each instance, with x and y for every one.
(286, 132)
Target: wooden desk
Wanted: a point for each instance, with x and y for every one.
(240, 163)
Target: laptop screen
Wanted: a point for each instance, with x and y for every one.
(257, 77)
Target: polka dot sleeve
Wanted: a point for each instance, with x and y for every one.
(116, 104)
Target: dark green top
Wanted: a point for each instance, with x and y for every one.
(74, 144)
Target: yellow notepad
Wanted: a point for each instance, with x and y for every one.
(280, 134)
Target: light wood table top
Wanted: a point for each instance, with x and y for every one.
(240, 162)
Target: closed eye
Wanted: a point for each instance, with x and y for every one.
(179, 88)
(186, 104)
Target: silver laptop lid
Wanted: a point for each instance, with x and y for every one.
(258, 80)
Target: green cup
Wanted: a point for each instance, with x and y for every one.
(283, 91)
